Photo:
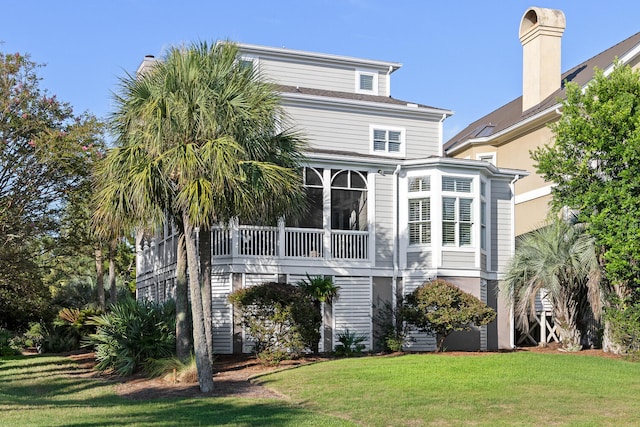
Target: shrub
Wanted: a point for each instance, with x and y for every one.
(391, 331)
(172, 369)
(350, 343)
(133, 332)
(441, 308)
(624, 324)
(7, 347)
(281, 319)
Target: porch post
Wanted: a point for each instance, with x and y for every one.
(281, 239)
(326, 211)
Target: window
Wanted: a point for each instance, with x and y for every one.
(367, 82)
(483, 225)
(349, 200)
(457, 212)
(419, 221)
(420, 183)
(456, 184)
(456, 221)
(313, 217)
(387, 140)
(246, 61)
(487, 157)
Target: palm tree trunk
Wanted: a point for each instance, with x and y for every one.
(205, 271)
(100, 277)
(113, 299)
(205, 373)
(183, 324)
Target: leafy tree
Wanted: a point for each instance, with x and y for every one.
(594, 163)
(197, 141)
(558, 261)
(441, 308)
(282, 319)
(46, 153)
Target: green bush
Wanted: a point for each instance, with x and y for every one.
(350, 343)
(281, 319)
(441, 308)
(625, 328)
(7, 347)
(133, 332)
(391, 331)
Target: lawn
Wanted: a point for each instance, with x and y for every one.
(493, 389)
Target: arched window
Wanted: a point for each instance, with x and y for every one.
(349, 200)
(312, 178)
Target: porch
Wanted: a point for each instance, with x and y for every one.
(283, 242)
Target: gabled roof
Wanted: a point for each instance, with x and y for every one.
(509, 115)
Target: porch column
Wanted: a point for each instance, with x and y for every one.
(326, 211)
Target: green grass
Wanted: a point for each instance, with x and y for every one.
(43, 391)
(494, 389)
(490, 390)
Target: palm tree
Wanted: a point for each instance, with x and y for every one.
(198, 141)
(323, 292)
(558, 260)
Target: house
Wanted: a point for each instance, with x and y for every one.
(387, 209)
(505, 136)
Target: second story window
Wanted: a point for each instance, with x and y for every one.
(457, 212)
(419, 210)
(387, 140)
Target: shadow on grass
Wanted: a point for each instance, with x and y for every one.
(42, 393)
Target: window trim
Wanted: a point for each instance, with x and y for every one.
(486, 156)
(374, 90)
(387, 129)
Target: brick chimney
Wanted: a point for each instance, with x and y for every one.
(540, 34)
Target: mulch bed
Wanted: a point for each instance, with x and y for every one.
(234, 375)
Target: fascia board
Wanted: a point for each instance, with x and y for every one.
(315, 57)
(403, 110)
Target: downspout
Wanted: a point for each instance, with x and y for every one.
(512, 328)
(389, 71)
(396, 227)
(441, 135)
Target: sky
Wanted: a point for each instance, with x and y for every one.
(462, 55)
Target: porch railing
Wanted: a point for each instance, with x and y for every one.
(286, 242)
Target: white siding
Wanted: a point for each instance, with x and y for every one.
(384, 221)
(418, 341)
(456, 259)
(352, 308)
(341, 78)
(419, 260)
(222, 314)
(483, 329)
(501, 225)
(337, 129)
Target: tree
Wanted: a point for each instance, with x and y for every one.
(594, 163)
(441, 308)
(558, 261)
(46, 156)
(322, 291)
(197, 141)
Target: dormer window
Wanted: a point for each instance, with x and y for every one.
(367, 82)
(246, 61)
(385, 140)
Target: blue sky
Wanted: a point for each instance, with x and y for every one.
(459, 55)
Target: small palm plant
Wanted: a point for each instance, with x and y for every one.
(322, 291)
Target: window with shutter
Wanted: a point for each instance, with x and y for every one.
(367, 82)
(420, 221)
(457, 221)
(420, 183)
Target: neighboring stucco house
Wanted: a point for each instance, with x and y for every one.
(505, 136)
(388, 211)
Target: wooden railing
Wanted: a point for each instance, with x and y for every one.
(286, 242)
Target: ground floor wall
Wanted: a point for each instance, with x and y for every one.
(366, 305)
